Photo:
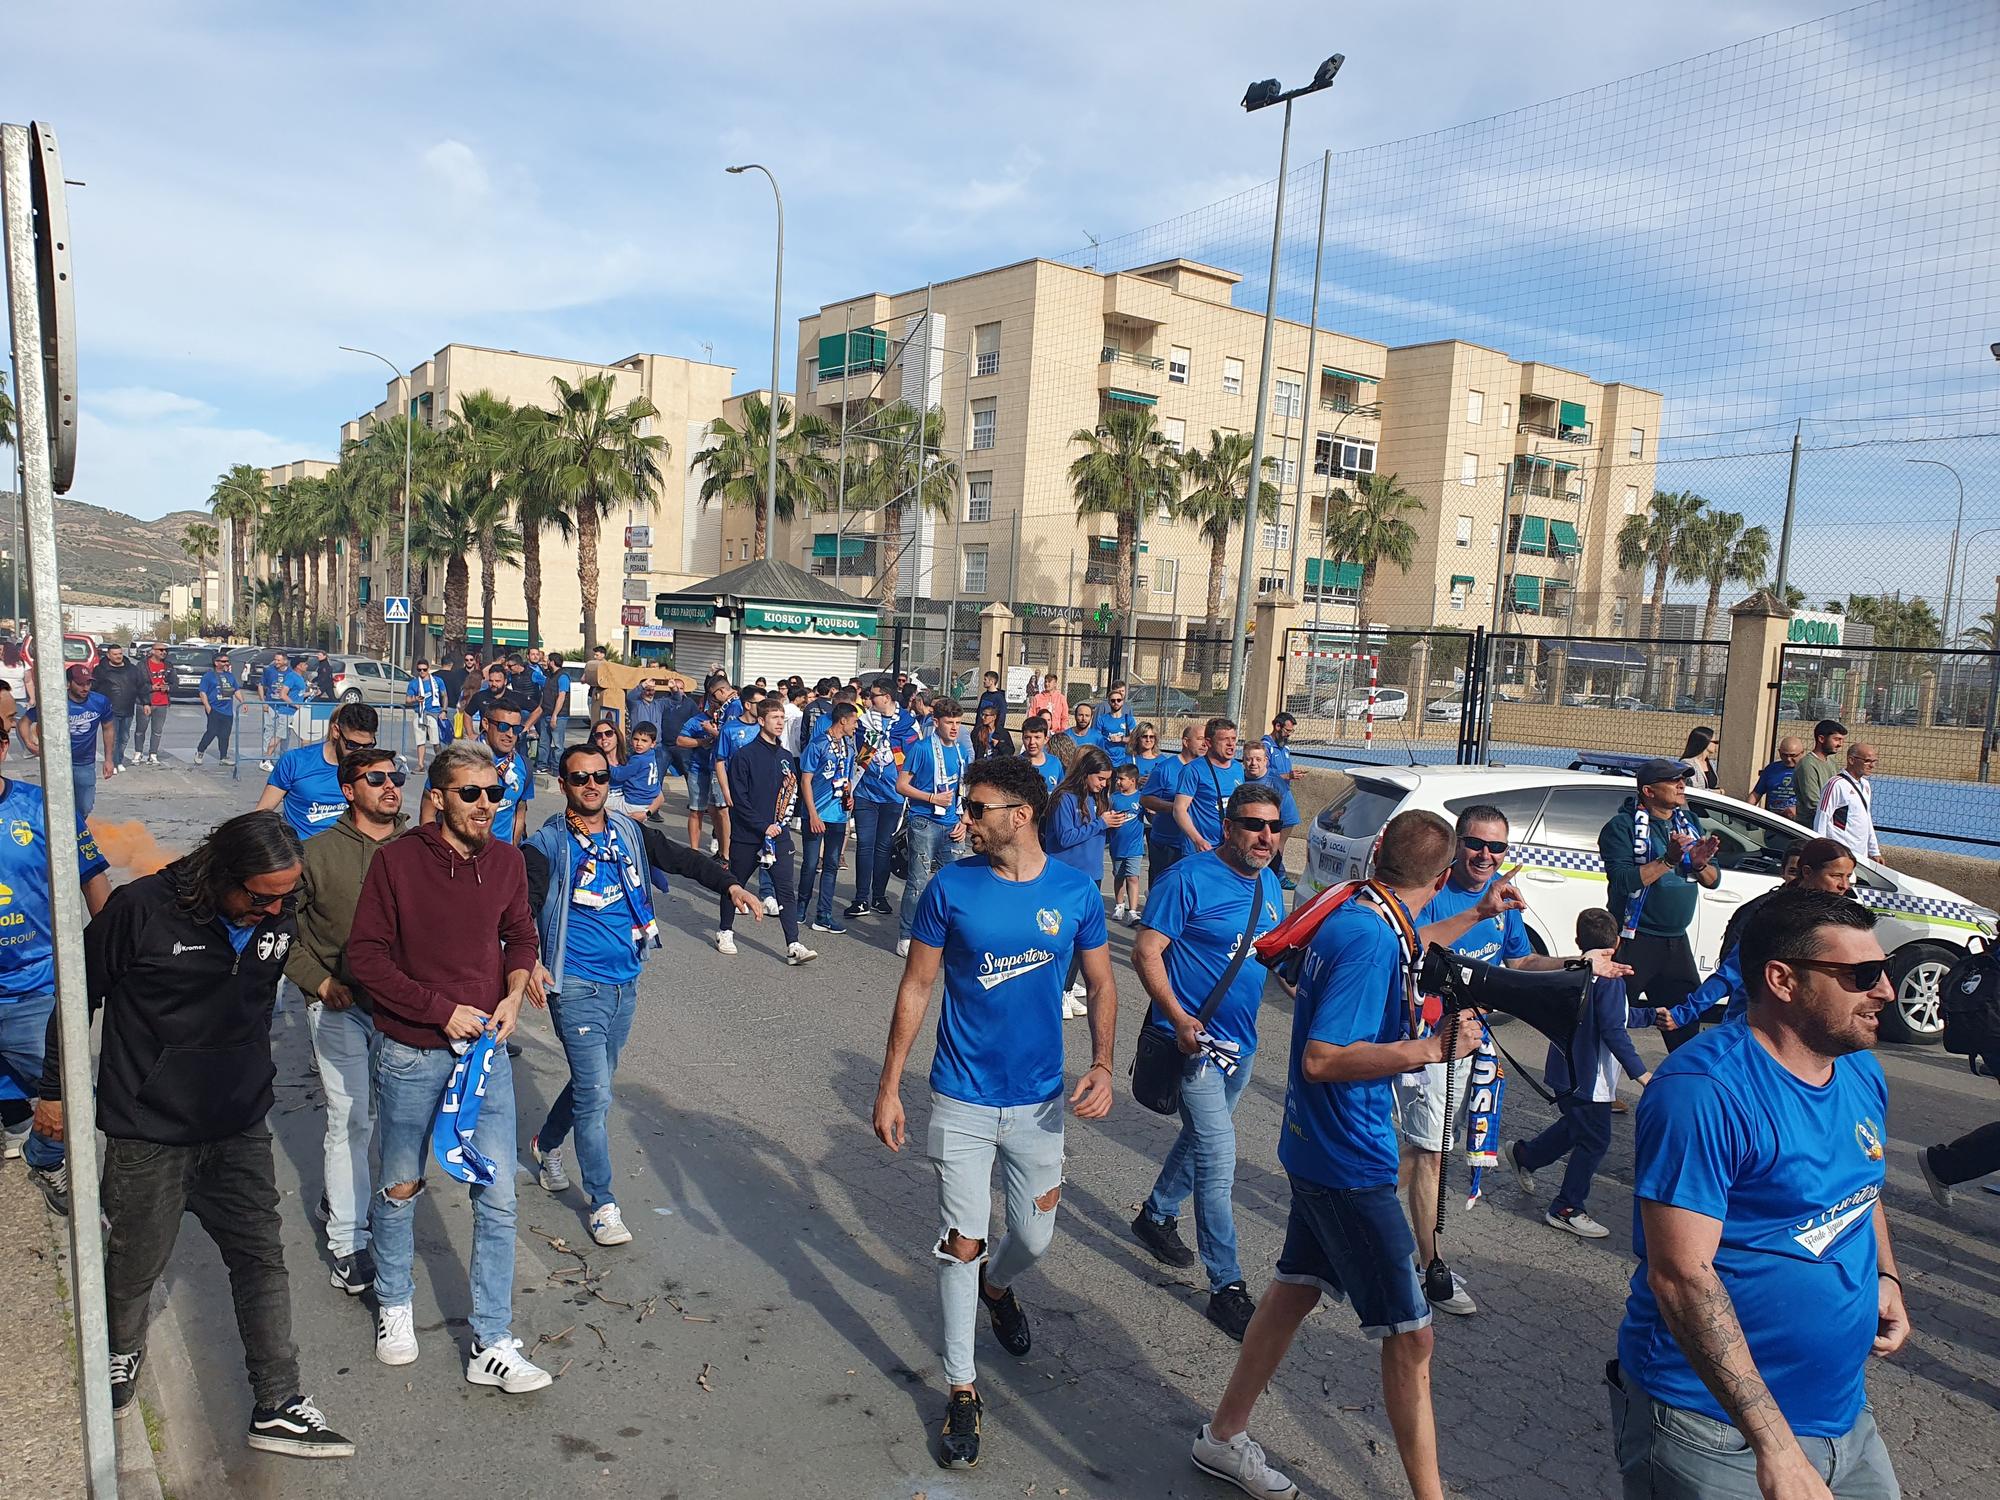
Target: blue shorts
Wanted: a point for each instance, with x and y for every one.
(701, 789)
(1355, 1243)
(1125, 867)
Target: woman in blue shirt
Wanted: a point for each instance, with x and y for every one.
(1079, 817)
(1146, 752)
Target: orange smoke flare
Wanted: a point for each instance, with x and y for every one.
(129, 845)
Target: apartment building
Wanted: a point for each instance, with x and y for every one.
(1021, 358)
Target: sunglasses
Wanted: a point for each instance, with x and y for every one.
(975, 809)
(493, 792)
(1491, 846)
(605, 734)
(1260, 825)
(376, 778)
(500, 726)
(588, 778)
(283, 902)
(1861, 977)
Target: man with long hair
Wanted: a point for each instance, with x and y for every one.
(185, 964)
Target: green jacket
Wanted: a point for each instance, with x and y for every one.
(336, 863)
(1815, 771)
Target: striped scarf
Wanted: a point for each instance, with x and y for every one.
(1642, 854)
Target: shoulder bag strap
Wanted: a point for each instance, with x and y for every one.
(1208, 1006)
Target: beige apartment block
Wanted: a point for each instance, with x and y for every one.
(1023, 357)
(686, 538)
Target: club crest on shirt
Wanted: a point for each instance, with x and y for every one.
(1868, 1136)
(1050, 921)
(272, 945)
(21, 832)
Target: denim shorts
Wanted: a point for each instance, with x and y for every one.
(1355, 1243)
(1126, 867)
(701, 789)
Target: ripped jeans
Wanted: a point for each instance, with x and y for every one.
(962, 1141)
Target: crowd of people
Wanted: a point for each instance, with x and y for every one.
(1018, 848)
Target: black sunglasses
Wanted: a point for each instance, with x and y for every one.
(503, 726)
(586, 778)
(1861, 977)
(1260, 825)
(975, 809)
(604, 734)
(1491, 846)
(492, 791)
(376, 778)
(288, 901)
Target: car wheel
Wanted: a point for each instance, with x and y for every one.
(1916, 1015)
(352, 695)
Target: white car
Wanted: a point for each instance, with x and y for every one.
(1390, 704)
(1554, 818)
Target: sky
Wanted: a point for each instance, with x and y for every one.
(266, 183)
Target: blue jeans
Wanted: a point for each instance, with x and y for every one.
(593, 1021)
(1202, 1162)
(409, 1081)
(121, 736)
(820, 866)
(874, 842)
(555, 738)
(1669, 1453)
(1355, 1243)
(344, 1043)
(931, 846)
(24, 1033)
(83, 777)
(1583, 1130)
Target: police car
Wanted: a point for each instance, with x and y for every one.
(1554, 817)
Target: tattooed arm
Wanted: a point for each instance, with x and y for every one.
(1680, 1270)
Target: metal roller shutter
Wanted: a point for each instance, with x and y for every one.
(776, 656)
(697, 652)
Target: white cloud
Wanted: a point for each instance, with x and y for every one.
(169, 461)
(143, 404)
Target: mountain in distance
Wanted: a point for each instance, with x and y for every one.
(112, 555)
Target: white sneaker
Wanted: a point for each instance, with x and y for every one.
(713, 847)
(199, 758)
(1459, 1303)
(725, 942)
(607, 1226)
(263, 765)
(153, 759)
(902, 947)
(396, 1335)
(1941, 1193)
(1521, 1174)
(1240, 1462)
(1120, 912)
(771, 907)
(1579, 1224)
(552, 1177)
(15, 1141)
(501, 1363)
(1134, 917)
(799, 953)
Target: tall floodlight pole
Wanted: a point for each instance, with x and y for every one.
(1957, 526)
(1262, 96)
(1310, 394)
(404, 633)
(777, 325)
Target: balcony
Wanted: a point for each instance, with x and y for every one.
(1138, 301)
(1548, 417)
(1134, 379)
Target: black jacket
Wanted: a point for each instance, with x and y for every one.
(122, 685)
(186, 1054)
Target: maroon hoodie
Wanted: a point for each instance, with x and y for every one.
(434, 930)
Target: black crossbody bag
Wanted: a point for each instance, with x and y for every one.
(1158, 1061)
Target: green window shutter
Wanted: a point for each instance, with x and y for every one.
(1312, 572)
(833, 354)
(366, 592)
(826, 544)
(1534, 535)
(1464, 578)
(1571, 414)
(1527, 592)
(1332, 373)
(1567, 544)
(1130, 398)
(1347, 575)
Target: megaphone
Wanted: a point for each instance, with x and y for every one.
(1550, 1000)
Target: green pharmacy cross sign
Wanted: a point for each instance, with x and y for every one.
(807, 621)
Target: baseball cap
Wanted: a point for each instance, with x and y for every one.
(1652, 772)
(78, 672)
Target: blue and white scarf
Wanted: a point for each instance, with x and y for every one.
(1488, 1084)
(458, 1115)
(1642, 854)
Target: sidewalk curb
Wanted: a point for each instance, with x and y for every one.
(138, 1471)
(172, 1413)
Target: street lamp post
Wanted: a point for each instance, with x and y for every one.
(777, 324)
(403, 633)
(1262, 96)
(1951, 566)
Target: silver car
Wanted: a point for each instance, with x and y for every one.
(357, 679)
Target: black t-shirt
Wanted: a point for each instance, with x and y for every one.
(453, 679)
(507, 697)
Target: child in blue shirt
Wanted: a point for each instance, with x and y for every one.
(1127, 844)
(637, 783)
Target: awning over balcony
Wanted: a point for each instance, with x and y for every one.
(1527, 592)
(827, 544)
(1331, 574)
(1462, 578)
(1564, 533)
(1534, 535)
(1130, 398)
(1571, 414)
(1349, 375)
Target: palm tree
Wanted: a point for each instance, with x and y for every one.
(1795, 597)
(199, 542)
(1125, 471)
(1367, 527)
(738, 464)
(1218, 486)
(238, 498)
(353, 511)
(592, 457)
(1984, 635)
(1662, 537)
(537, 506)
(267, 594)
(6, 414)
(902, 465)
(444, 529)
(480, 446)
(377, 466)
(1723, 550)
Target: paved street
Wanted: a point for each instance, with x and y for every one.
(772, 1330)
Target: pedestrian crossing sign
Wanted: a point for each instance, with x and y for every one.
(396, 609)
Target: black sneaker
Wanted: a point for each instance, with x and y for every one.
(1163, 1240)
(297, 1428)
(513, 1049)
(125, 1380)
(355, 1273)
(323, 1210)
(958, 1448)
(883, 907)
(54, 1183)
(1230, 1309)
(858, 910)
(1010, 1324)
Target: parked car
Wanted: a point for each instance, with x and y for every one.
(1445, 708)
(1150, 702)
(185, 667)
(357, 679)
(1389, 704)
(1555, 817)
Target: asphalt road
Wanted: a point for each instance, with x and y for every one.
(772, 1329)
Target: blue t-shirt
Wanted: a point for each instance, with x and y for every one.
(878, 778)
(1281, 758)
(1147, 764)
(701, 727)
(313, 799)
(1007, 947)
(520, 784)
(830, 763)
(1092, 736)
(1341, 1135)
(1199, 906)
(27, 928)
(427, 695)
(1288, 810)
(1778, 784)
(1127, 840)
(1793, 1173)
(637, 782)
(291, 679)
(934, 766)
(1051, 770)
(1209, 785)
(85, 720)
(1491, 941)
(1164, 780)
(1107, 724)
(598, 944)
(220, 690)
(733, 736)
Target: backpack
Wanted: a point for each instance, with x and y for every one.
(1970, 992)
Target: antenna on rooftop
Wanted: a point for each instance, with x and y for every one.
(707, 351)
(1093, 248)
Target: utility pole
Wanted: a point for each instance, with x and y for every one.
(1310, 395)
(1785, 533)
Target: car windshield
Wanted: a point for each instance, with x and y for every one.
(197, 657)
(1361, 811)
